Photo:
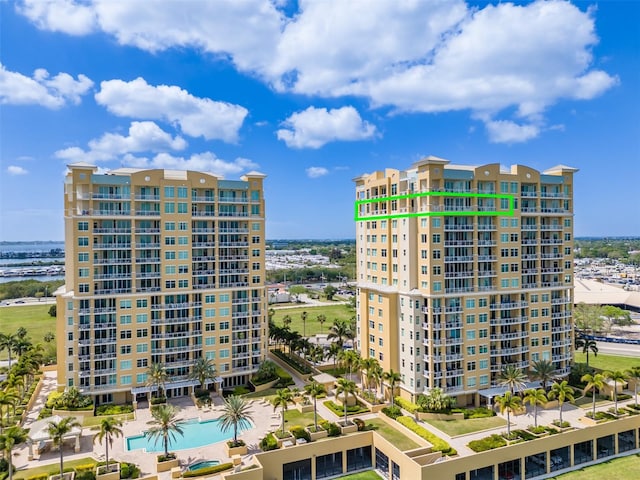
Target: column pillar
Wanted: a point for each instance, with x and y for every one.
(77, 447)
(30, 445)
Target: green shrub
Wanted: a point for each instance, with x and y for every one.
(406, 404)
(129, 470)
(537, 430)
(300, 432)
(333, 430)
(439, 445)
(298, 365)
(285, 378)
(360, 423)
(85, 475)
(158, 400)
(339, 410)
(208, 471)
(111, 409)
(523, 434)
(269, 443)
(40, 476)
(4, 465)
(487, 443)
(392, 412)
(563, 424)
(166, 458)
(52, 399)
(480, 412)
(241, 390)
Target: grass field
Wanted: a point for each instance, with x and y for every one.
(622, 468)
(293, 417)
(332, 312)
(453, 428)
(394, 436)
(608, 362)
(35, 318)
(52, 468)
(368, 475)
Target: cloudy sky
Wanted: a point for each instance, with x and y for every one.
(315, 93)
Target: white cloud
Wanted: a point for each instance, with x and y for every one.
(316, 172)
(41, 89)
(195, 116)
(414, 56)
(314, 127)
(16, 170)
(506, 131)
(205, 162)
(143, 137)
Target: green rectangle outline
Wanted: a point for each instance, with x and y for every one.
(509, 213)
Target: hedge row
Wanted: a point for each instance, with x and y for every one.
(406, 404)
(208, 471)
(487, 443)
(339, 410)
(439, 445)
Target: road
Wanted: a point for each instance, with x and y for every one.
(618, 349)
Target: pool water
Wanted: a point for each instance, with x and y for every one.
(201, 465)
(196, 434)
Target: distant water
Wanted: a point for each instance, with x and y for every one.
(30, 247)
(37, 253)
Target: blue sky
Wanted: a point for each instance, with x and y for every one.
(314, 94)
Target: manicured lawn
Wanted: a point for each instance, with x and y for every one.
(626, 467)
(268, 393)
(332, 312)
(52, 468)
(454, 428)
(95, 421)
(294, 417)
(394, 436)
(587, 401)
(32, 317)
(368, 475)
(608, 362)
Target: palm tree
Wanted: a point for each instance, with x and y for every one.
(157, 377)
(378, 373)
(321, 319)
(235, 411)
(334, 352)
(534, 398)
(8, 342)
(616, 376)
(561, 391)
(508, 403)
(303, 316)
(349, 359)
(348, 387)
(594, 382)
(513, 378)
(15, 381)
(341, 331)
(165, 425)
(634, 374)
(314, 390)
(368, 365)
(11, 437)
(7, 399)
(286, 321)
(544, 371)
(109, 429)
(283, 398)
(58, 431)
(203, 369)
(587, 345)
(393, 378)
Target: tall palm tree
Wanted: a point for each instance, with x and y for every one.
(235, 411)
(303, 316)
(340, 331)
(634, 374)
(58, 431)
(286, 321)
(350, 360)
(7, 399)
(508, 403)
(314, 390)
(14, 381)
(202, 370)
(368, 365)
(616, 376)
(513, 378)
(534, 398)
(594, 382)
(334, 352)
(347, 387)
(378, 373)
(157, 377)
(8, 342)
(587, 345)
(543, 370)
(11, 437)
(562, 392)
(109, 429)
(165, 425)
(321, 319)
(283, 398)
(393, 378)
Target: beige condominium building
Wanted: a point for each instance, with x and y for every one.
(162, 267)
(463, 270)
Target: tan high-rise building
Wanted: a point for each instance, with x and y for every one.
(463, 270)
(162, 267)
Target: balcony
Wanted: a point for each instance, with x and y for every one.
(529, 227)
(454, 373)
(551, 227)
(168, 336)
(203, 230)
(458, 259)
(486, 243)
(508, 306)
(204, 213)
(147, 213)
(509, 336)
(112, 291)
(111, 230)
(508, 321)
(148, 260)
(455, 228)
(111, 246)
(488, 227)
(147, 197)
(486, 273)
(487, 258)
(467, 274)
(529, 256)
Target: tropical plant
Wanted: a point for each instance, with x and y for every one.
(165, 425)
(435, 400)
(8, 342)
(393, 378)
(316, 355)
(266, 371)
(561, 391)
(377, 374)
(303, 316)
(341, 331)
(334, 352)
(7, 399)
(346, 387)
(594, 382)
(157, 376)
(587, 345)
(508, 403)
(11, 437)
(368, 366)
(513, 378)
(203, 369)
(349, 359)
(321, 319)
(543, 370)
(235, 411)
(57, 432)
(314, 390)
(282, 399)
(588, 317)
(534, 398)
(286, 321)
(616, 376)
(634, 374)
(109, 429)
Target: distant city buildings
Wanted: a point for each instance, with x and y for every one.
(464, 270)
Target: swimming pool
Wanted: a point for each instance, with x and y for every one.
(200, 465)
(196, 434)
